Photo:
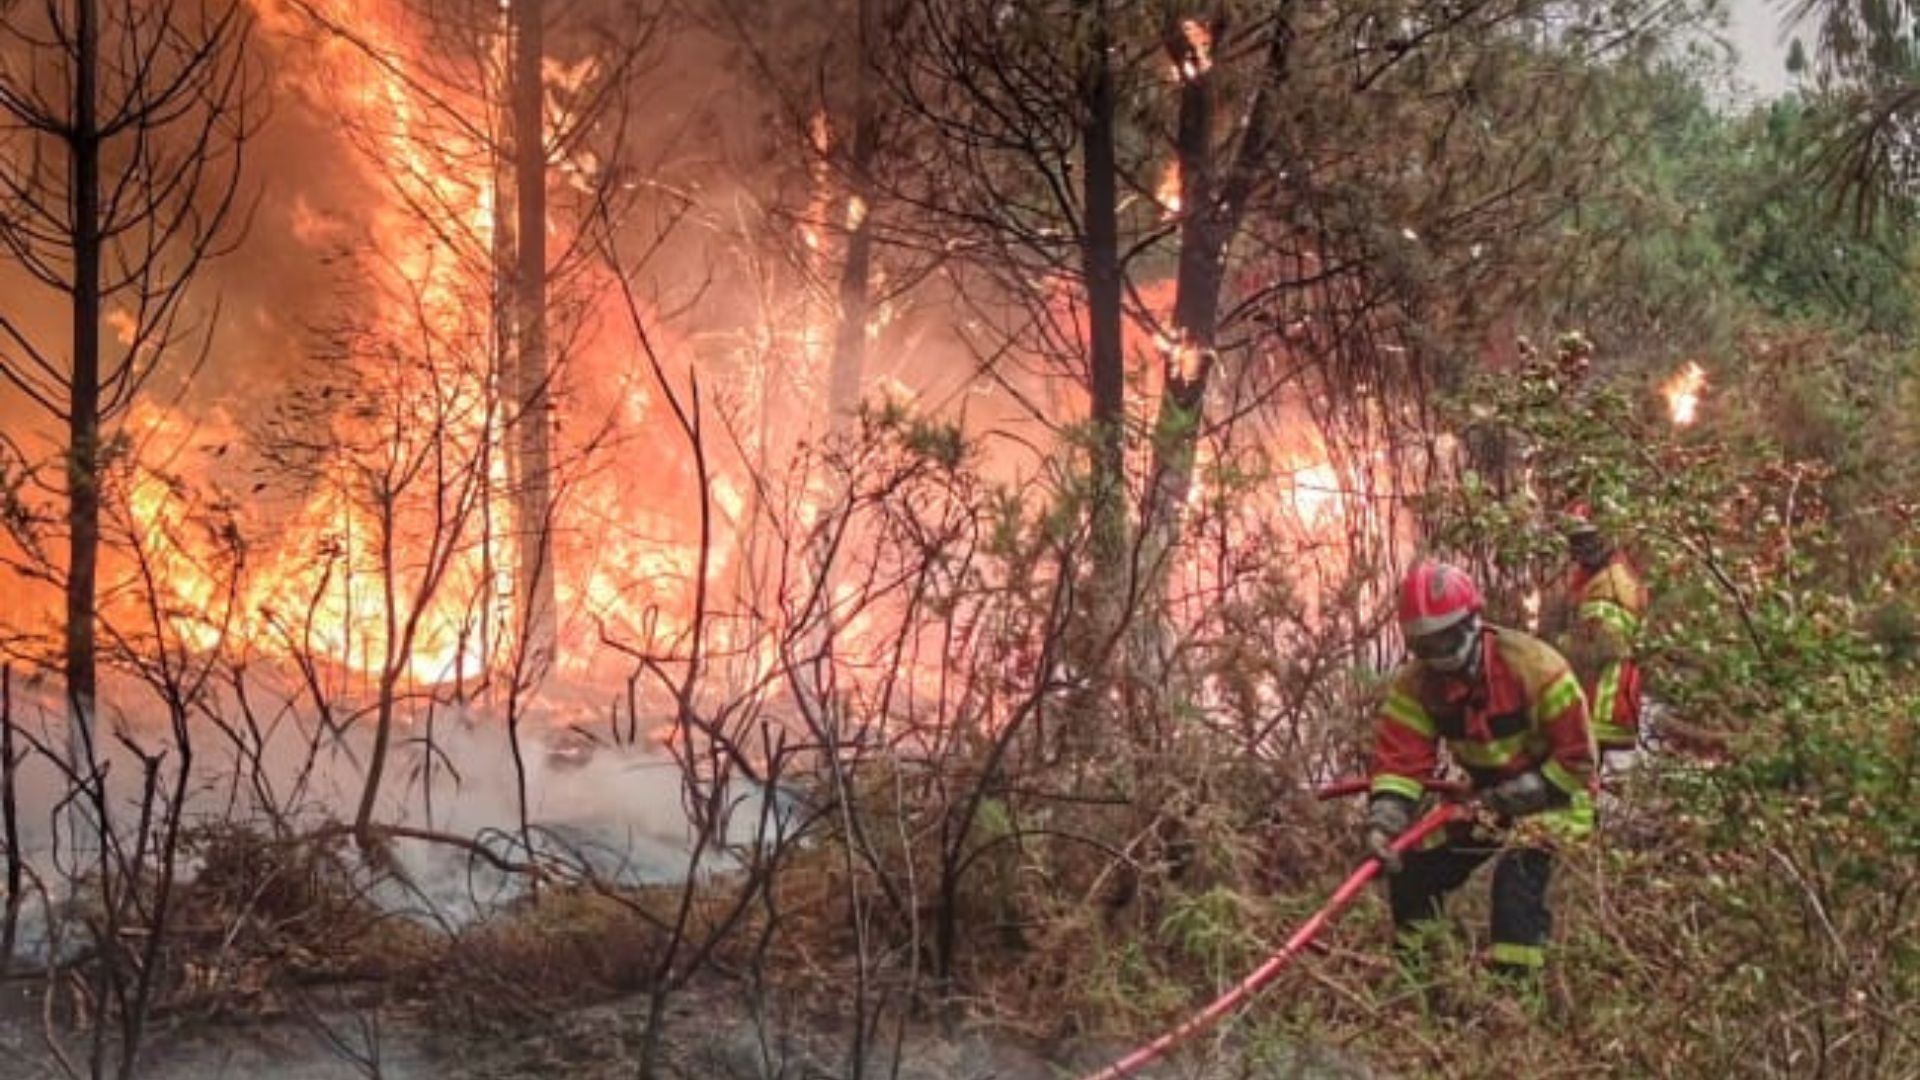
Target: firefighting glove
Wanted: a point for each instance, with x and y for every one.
(1387, 818)
(1519, 796)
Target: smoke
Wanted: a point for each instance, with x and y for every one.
(612, 811)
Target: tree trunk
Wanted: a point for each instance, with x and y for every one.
(1100, 611)
(533, 380)
(847, 368)
(376, 768)
(856, 301)
(392, 665)
(1214, 212)
(1106, 370)
(500, 379)
(83, 408)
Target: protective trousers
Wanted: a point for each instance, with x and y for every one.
(1521, 918)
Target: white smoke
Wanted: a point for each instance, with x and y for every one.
(612, 811)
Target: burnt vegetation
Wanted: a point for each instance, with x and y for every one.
(536, 537)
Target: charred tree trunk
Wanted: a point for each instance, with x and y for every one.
(856, 299)
(83, 403)
(1215, 207)
(1106, 371)
(533, 380)
(856, 305)
(1101, 608)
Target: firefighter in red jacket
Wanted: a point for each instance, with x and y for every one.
(1607, 601)
(1511, 714)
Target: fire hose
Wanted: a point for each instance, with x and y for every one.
(1433, 821)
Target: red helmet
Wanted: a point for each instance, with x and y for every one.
(1435, 596)
(1577, 518)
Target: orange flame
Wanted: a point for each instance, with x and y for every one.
(623, 563)
(314, 581)
(1683, 392)
(1316, 493)
(328, 576)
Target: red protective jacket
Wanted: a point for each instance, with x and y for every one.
(1524, 711)
(1608, 606)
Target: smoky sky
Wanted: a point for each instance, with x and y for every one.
(1759, 33)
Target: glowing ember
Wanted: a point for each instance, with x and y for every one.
(1189, 361)
(1199, 59)
(1683, 392)
(1184, 356)
(1167, 193)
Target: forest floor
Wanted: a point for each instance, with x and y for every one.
(710, 1034)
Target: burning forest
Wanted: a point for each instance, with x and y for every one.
(512, 508)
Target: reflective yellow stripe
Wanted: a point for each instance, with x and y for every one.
(1570, 822)
(1606, 697)
(1613, 615)
(1404, 786)
(1506, 952)
(1558, 775)
(1606, 690)
(1613, 736)
(1558, 696)
(1403, 709)
(1488, 755)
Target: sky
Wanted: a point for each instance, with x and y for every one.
(1755, 29)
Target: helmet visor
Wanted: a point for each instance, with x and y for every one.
(1446, 649)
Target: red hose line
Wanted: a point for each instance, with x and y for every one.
(1434, 820)
(1359, 785)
